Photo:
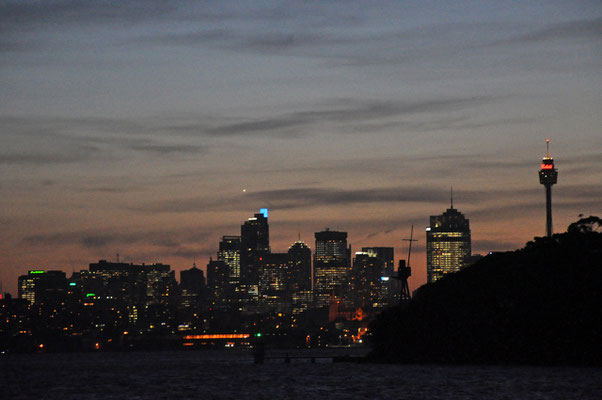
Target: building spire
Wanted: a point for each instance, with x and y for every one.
(548, 148)
(451, 196)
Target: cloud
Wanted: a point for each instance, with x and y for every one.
(483, 204)
(344, 115)
(590, 29)
(114, 237)
(62, 140)
(32, 14)
(83, 154)
(346, 112)
(296, 198)
(157, 148)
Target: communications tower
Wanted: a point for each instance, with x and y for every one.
(548, 176)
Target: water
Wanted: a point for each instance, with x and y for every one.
(233, 375)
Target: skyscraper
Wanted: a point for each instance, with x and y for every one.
(134, 283)
(548, 176)
(273, 273)
(40, 286)
(389, 286)
(218, 281)
(366, 283)
(299, 278)
(255, 243)
(332, 259)
(300, 267)
(192, 281)
(447, 243)
(193, 287)
(229, 253)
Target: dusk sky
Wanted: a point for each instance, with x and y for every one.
(152, 128)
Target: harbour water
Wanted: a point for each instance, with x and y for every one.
(213, 374)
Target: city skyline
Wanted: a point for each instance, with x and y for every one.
(152, 129)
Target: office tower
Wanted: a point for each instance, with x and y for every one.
(192, 282)
(366, 283)
(332, 260)
(134, 283)
(273, 282)
(255, 243)
(390, 290)
(447, 243)
(40, 286)
(548, 176)
(229, 253)
(299, 278)
(218, 280)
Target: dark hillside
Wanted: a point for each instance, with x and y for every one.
(541, 304)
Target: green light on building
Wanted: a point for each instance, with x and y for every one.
(90, 294)
(36, 271)
(72, 284)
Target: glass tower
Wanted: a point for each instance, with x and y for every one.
(332, 259)
(447, 244)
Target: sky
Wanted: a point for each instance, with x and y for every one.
(152, 128)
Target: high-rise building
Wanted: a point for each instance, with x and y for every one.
(229, 253)
(273, 282)
(40, 286)
(218, 280)
(192, 282)
(299, 267)
(366, 283)
(548, 176)
(134, 283)
(255, 243)
(447, 243)
(332, 262)
(389, 287)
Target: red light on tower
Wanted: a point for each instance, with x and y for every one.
(548, 176)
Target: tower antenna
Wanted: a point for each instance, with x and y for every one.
(451, 196)
(548, 176)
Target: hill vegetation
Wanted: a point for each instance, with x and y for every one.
(541, 304)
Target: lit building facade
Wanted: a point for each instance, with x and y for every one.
(135, 283)
(447, 244)
(389, 287)
(273, 282)
(229, 253)
(332, 262)
(40, 286)
(366, 283)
